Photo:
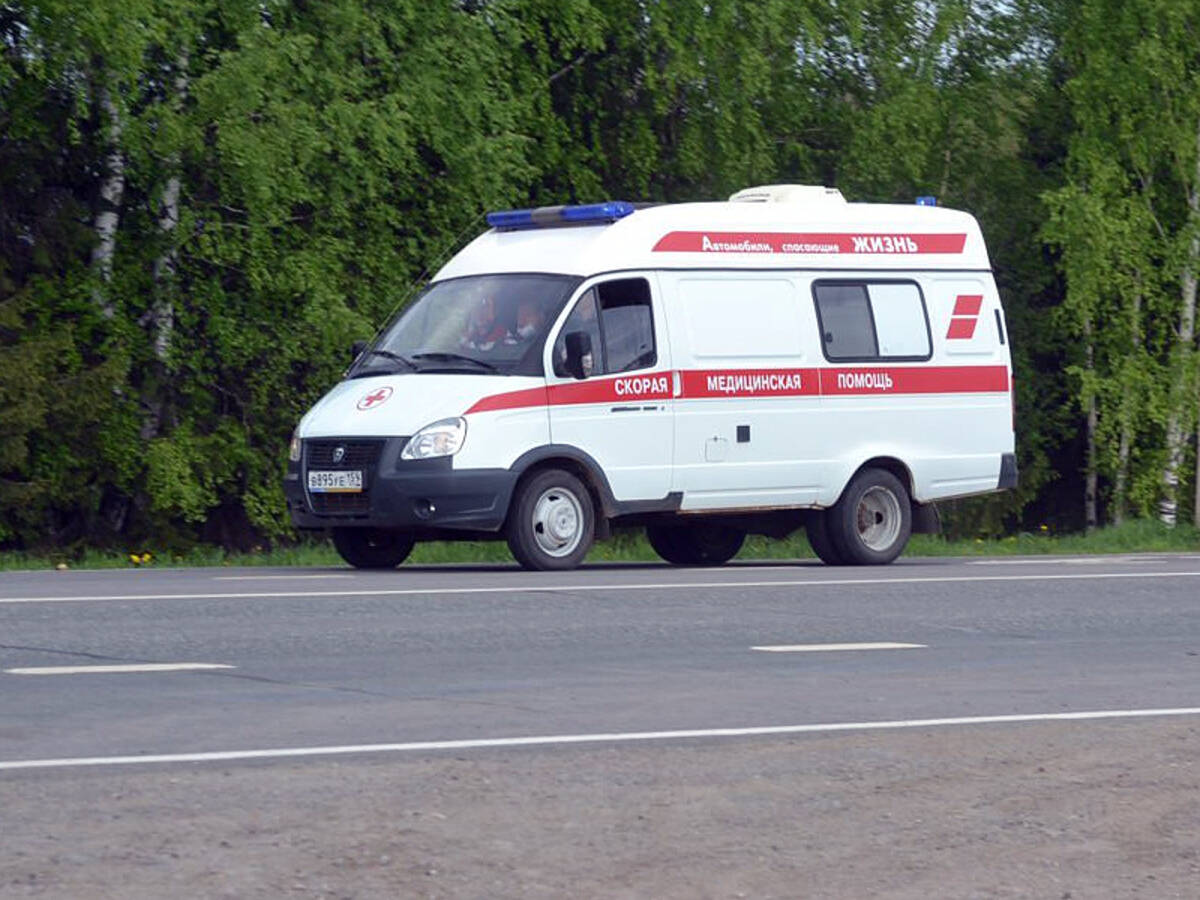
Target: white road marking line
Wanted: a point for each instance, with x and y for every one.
(271, 577)
(823, 648)
(109, 670)
(568, 588)
(1071, 561)
(565, 739)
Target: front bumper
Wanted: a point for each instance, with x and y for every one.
(419, 495)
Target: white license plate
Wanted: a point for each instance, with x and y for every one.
(345, 482)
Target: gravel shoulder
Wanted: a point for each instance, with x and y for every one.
(1062, 810)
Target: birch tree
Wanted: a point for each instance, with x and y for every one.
(1136, 99)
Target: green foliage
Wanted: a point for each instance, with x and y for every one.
(1125, 233)
(326, 155)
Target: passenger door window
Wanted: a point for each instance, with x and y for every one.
(627, 324)
(582, 318)
(619, 319)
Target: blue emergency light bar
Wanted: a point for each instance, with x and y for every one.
(557, 216)
(927, 201)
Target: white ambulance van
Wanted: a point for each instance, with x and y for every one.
(779, 361)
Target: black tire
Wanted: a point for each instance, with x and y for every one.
(699, 544)
(667, 543)
(552, 521)
(872, 521)
(817, 531)
(372, 548)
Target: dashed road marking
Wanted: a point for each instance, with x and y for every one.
(830, 648)
(116, 669)
(278, 577)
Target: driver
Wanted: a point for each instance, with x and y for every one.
(483, 330)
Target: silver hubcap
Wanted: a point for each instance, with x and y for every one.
(557, 522)
(878, 519)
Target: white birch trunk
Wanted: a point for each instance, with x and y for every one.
(108, 217)
(1168, 507)
(163, 310)
(161, 315)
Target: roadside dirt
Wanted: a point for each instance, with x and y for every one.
(1078, 810)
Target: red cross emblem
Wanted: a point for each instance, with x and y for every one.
(375, 398)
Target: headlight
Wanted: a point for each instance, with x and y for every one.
(294, 447)
(442, 438)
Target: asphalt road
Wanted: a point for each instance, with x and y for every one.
(597, 691)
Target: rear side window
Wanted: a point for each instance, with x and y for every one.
(871, 320)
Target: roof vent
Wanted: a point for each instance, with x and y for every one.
(789, 193)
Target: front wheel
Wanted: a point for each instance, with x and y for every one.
(872, 522)
(372, 548)
(699, 544)
(552, 522)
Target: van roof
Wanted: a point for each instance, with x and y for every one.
(822, 234)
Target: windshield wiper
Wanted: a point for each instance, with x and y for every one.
(388, 354)
(447, 356)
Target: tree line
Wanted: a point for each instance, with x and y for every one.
(203, 203)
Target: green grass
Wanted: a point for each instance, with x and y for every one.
(628, 546)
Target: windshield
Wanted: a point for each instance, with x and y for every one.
(484, 323)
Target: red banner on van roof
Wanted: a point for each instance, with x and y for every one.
(808, 243)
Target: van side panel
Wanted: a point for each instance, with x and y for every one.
(747, 408)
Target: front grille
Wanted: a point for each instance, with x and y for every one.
(340, 504)
(359, 454)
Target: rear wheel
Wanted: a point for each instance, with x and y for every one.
(872, 522)
(699, 544)
(552, 522)
(817, 530)
(372, 548)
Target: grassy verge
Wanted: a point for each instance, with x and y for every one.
(1132, 537)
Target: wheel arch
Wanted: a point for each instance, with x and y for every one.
(888, 464)
(573, 460)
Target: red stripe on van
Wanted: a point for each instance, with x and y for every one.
(750, 383)
(961, 329)
(967, 304)
(622, 389)
(806, 243)
(914, 380)
(512, 400)
(702, 383)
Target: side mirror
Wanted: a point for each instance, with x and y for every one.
(579, 354)
(356, 350)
